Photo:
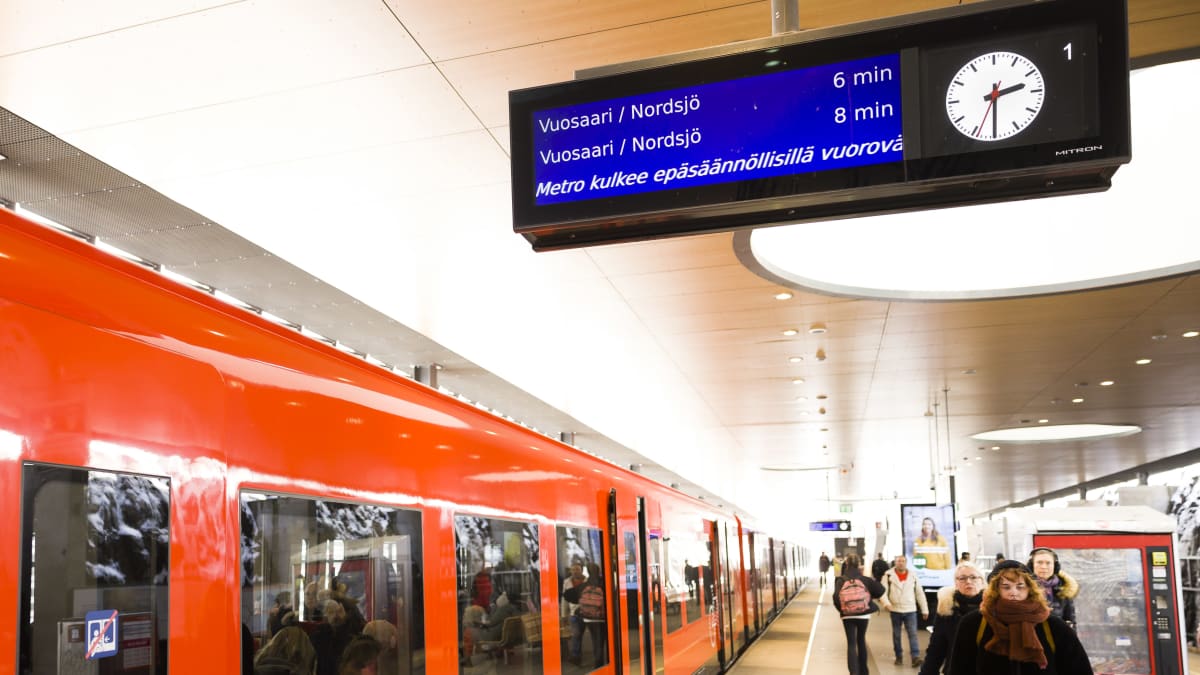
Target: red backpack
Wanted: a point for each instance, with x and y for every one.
(591, 603)
(854, 597)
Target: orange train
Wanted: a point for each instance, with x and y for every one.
(190, 486)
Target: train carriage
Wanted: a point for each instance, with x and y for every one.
(182, 478)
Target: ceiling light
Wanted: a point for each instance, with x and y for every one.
(969, 371)
(790, 332)
(798, 380)
(1142, 362)
(2, 158)
(995, 447)
(824, 428)
(1043, 421)
(1191, 333)
(805, 412)
(1107, 383)
(1077, 399)
(1058, 432)
(1159, 336)
(817, 328)
(795, 359)
(978, 459)
(801, 398)
(820, 354)
(783, 296)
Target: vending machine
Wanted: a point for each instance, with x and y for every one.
(1128, 611)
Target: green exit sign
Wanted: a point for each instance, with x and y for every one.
(846, 508)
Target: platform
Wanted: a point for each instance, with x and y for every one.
(807, 639)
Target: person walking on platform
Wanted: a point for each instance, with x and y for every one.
(1059, 587)
(904, 597)
(879, 567)
(953, 603)
(1014, 633)
(823, 566)
(854, 597)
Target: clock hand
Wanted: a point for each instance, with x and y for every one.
(1006, 90)
(995, 114)
(991, 102)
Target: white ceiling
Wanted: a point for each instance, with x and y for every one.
(365, 142)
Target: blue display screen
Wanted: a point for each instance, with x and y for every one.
(800, 121)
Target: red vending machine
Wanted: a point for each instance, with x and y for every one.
(1129, 609)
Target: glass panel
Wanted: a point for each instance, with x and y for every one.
(499, 595)
(585, 640)
(633, 605)
(98, 542)
(316, 573)
(673, 586)
(1110, 610)
(657, 632)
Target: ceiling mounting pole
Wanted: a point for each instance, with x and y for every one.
(785, 16)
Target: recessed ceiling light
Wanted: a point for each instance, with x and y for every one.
(790, 332)
(821, 397)
(1107, 383)
(824, 428)
(783, 296)
(969, 371)
(798, 380)
(795, 359)
(1043, 421)
(1058, 432)
(995, 447)
(978, 459)
(1077, 399)
(1159, 336)
(1191, 333)
(805, 412)
(801, 398)
(817, 328)
(1142, 362)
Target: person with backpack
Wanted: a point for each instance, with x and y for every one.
(1015, 633)
(594, 613)
(854, 597)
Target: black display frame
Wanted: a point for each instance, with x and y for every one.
(987, 174)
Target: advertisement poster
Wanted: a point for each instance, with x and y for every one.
(928, 532)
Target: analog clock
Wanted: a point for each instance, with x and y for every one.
(995, 96)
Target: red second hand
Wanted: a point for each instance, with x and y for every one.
(995, 95)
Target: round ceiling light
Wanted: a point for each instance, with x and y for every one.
(1058, 432)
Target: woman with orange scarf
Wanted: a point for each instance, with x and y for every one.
(1013, 632)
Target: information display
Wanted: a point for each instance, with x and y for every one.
(811, 119)
(975, 103)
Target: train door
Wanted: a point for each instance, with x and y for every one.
(653, 623)
(753, 587)
(632, 582)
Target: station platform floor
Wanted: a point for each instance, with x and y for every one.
(807, 639)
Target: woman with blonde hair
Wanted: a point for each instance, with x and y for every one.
(1014, 632)
(389, 639)
(288, 653)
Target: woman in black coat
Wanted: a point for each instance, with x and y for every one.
(1014, 633)
(954, 602)
(854, 619)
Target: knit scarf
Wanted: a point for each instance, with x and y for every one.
(964, 605)
(1014, 629)
(1049, 587)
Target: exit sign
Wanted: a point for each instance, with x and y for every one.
(846, 508)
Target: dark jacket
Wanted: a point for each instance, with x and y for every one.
(951, 608)
(1062, 603)
(873, 587)
(879, 568)
(970, 658)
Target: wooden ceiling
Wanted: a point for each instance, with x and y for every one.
(364, 141)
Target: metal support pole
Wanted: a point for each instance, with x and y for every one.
(785, 16)
(427, 375)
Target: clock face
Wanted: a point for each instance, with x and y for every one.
(995, 96)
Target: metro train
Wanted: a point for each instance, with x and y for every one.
(183, 479)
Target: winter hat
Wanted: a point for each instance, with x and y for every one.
(1006, 565)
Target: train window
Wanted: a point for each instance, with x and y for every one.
(499, 595)
(94, 571)
(581, 570)
(330, 570)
